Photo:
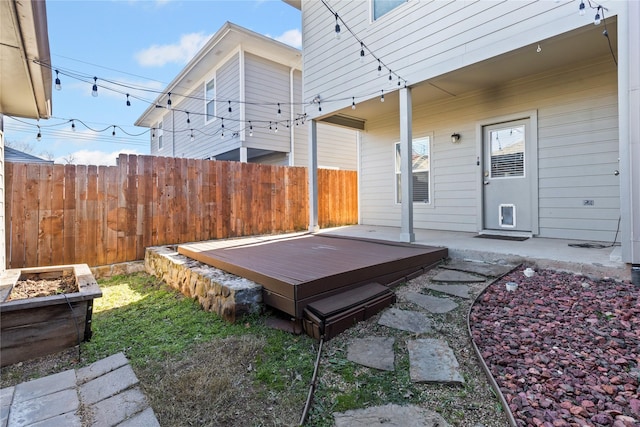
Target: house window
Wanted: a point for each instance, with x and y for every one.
(160, 132)
(420, 159)
(210, 99)
(380, 7)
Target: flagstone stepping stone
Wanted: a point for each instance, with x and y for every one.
(373, 352)
(405, 320)
(457, 277)
(432, 361)
(461, 291)
(430, 303)
(482, 268)
(390, 416)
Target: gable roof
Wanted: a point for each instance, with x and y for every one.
(12, 155)
(226, 40)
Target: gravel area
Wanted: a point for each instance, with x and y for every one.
(564, 349)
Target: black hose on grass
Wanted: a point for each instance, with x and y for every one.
(312, 387)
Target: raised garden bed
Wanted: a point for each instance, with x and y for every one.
(39, 325)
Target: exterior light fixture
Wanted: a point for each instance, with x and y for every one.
(455, 138)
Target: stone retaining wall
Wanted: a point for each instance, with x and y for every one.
(227, 295)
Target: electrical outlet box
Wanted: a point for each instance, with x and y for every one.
(588, 202)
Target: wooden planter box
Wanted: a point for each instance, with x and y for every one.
(35, 327)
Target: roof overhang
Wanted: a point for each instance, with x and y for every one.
(295, 3)
(227, 40)
(25, 86)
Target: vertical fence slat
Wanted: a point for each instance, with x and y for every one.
(57, 216)
(69, 218)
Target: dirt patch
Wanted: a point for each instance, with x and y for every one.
(37, 287)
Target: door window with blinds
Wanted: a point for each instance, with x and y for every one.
(421, 167)
(507, 152)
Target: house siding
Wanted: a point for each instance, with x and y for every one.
(577, 118)
(420, 40)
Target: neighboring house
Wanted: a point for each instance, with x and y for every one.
(25, 87)
(11, 155)
(260, 81)
(523, 116)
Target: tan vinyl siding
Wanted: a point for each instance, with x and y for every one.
(577, 154)
(420, 39)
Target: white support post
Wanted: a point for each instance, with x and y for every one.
(243, 155)
(406, 166)
(313, 177)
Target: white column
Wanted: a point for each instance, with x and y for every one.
(406, 167)
(243, 154)
(313, 177)
(629, 131)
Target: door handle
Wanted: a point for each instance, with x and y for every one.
(486, 182)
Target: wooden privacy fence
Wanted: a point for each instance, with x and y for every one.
(69, 214)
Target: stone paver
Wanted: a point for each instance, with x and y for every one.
(461, 291)
(64, 420)
(118, 408)
(405, 320)
(41, 408)
(390, 416)
(45, 385)
(6, 397)
(484, 269)
(455, 276)
(373, 352)
(107, 385)
(430, 303)
(432, 361)
(145, 418)
(101, 367)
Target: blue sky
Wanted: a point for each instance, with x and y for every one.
(137, 43)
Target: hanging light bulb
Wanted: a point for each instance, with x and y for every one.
(113, 133)
(597, 19)
(353, 102)
(39, 135)
(581, 8)
(279, 111)
(275, 130)
(319, 106)
(58, 85)
(361, 52)
(222, 129)
(337, 28)
(169, 101)
(128, 102)
(250, 129)
(270, 127)
(399, 81)
(229, 109)
(382, 96)
(379, 68)
(192, 138)
(188, 119)
(73, 126)
(153, 133)
(94, 91)
(390, 78)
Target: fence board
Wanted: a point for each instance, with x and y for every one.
(67, 214)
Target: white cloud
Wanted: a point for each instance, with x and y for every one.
(179, 53)
(290, 37)
(93, 157)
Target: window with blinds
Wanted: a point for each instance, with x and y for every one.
(421, 164)
(507, 152)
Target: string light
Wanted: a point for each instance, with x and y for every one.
(192, 138)
(169, 101)
(390, 78)
(58, 85)
(279, 111)
(353, 102)
(128, 102)
(94, 90)
(382, 96)
(597, 20)
(250, 128)
(229, 109)
(379, 68)
(361, 52)
(188, 119)
(39, 135)
(270, 127)
(275, 130)
(337, 28)
(73, 126)
(222, 129)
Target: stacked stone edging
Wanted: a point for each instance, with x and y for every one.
(225, 294)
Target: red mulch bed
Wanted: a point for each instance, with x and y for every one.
(564, 349)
